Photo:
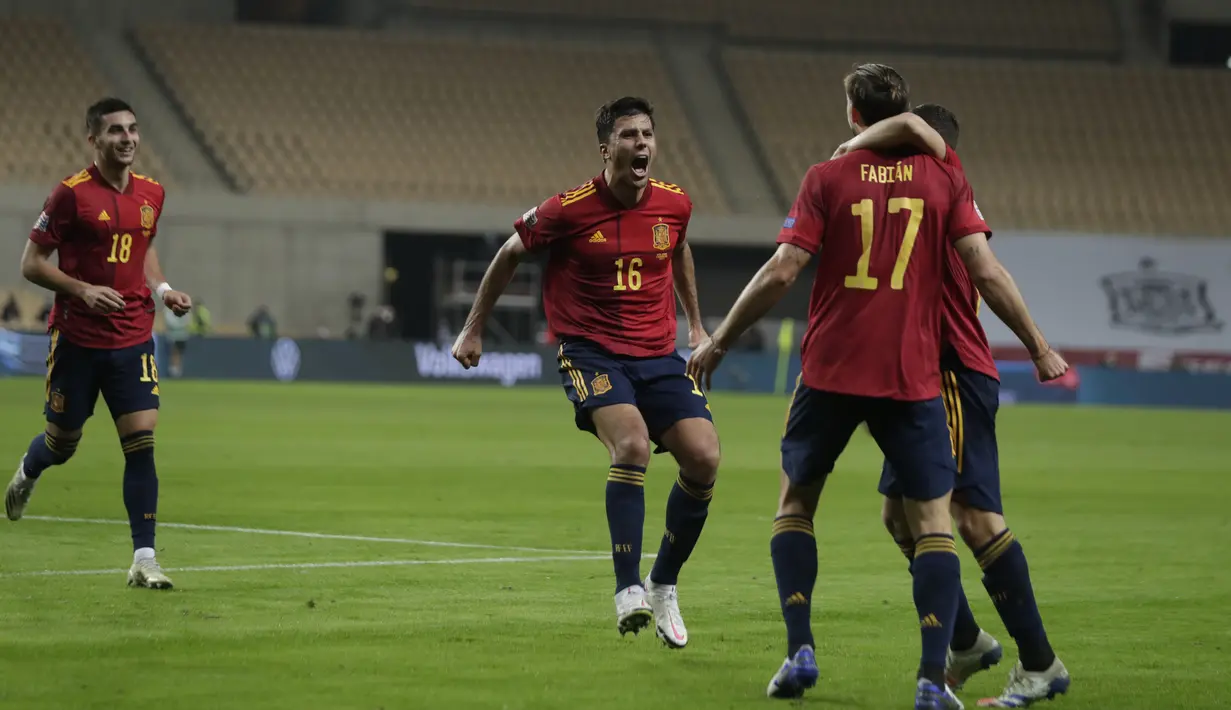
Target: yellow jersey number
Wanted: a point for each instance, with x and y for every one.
(121, 248)
(634, 276)
(864, 210)
(149, 368)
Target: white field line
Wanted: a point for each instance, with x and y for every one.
(318, 536)
(315, 565)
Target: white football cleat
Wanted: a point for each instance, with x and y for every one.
(633, 612)
(146, 573)
(665, 602)
(17, 495)
(961, 665)
(1027, 687)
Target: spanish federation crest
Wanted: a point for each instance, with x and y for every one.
(600, 385)
(1160, 302)
(147, 217)
(662, 236)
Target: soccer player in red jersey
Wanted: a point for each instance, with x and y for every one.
(617, 256)
(971, 391)
(103, 222)
(871, 354)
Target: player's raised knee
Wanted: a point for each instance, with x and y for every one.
(701, 463)
(631, 449)
(694, 444)
(977, 527)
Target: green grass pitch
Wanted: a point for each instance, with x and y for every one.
(1123, 513)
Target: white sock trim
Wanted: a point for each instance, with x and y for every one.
(143, 553)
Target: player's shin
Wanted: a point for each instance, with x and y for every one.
(47, 450)
(793, 549)
(687, 508)
(965, 628)
(937, 585)
(1007, 579)
(626, 521)
(140, 487)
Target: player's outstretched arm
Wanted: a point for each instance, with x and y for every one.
(36, 267)
(684, 273)
(901, 130)
(765, 289)
(997, 287)
(468, 347)
(178, 301)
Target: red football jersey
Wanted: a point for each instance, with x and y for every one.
(885, 225)
(961, 330)
(608, 277)
(102, 236)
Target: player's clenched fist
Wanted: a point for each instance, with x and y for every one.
(102, 299)
(468, 348)
(1050, 365)
(178, 301)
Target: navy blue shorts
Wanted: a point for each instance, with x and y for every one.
(659, 387)
(913, 435)
(127, 378)
(971, 401)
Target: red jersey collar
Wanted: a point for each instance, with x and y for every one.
(608, 196)
(98, 175)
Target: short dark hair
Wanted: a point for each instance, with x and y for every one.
(877, 91)
(102, 107)
(941, 119)
(607, 115)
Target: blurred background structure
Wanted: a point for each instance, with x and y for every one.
(346, 169)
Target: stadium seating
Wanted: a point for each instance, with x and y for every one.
(47, 82)
(1072, 27)
(683, 11)
(1047, 145)
(30, 304)
(291, 111)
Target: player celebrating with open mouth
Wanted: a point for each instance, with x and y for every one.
(616, 258)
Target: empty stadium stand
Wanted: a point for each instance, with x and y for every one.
(1070, 27)
(382, 116)
(1046, 145)
(47, 82)
(30, 303)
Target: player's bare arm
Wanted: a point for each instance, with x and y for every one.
(37, 268)
(765, 289)
(997, 287)
(178, 301)
(901, 130)
(468, 347)
(684, 273)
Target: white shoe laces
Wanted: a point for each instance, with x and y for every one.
(1020, 683)
(150, 566)
(671, 596)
